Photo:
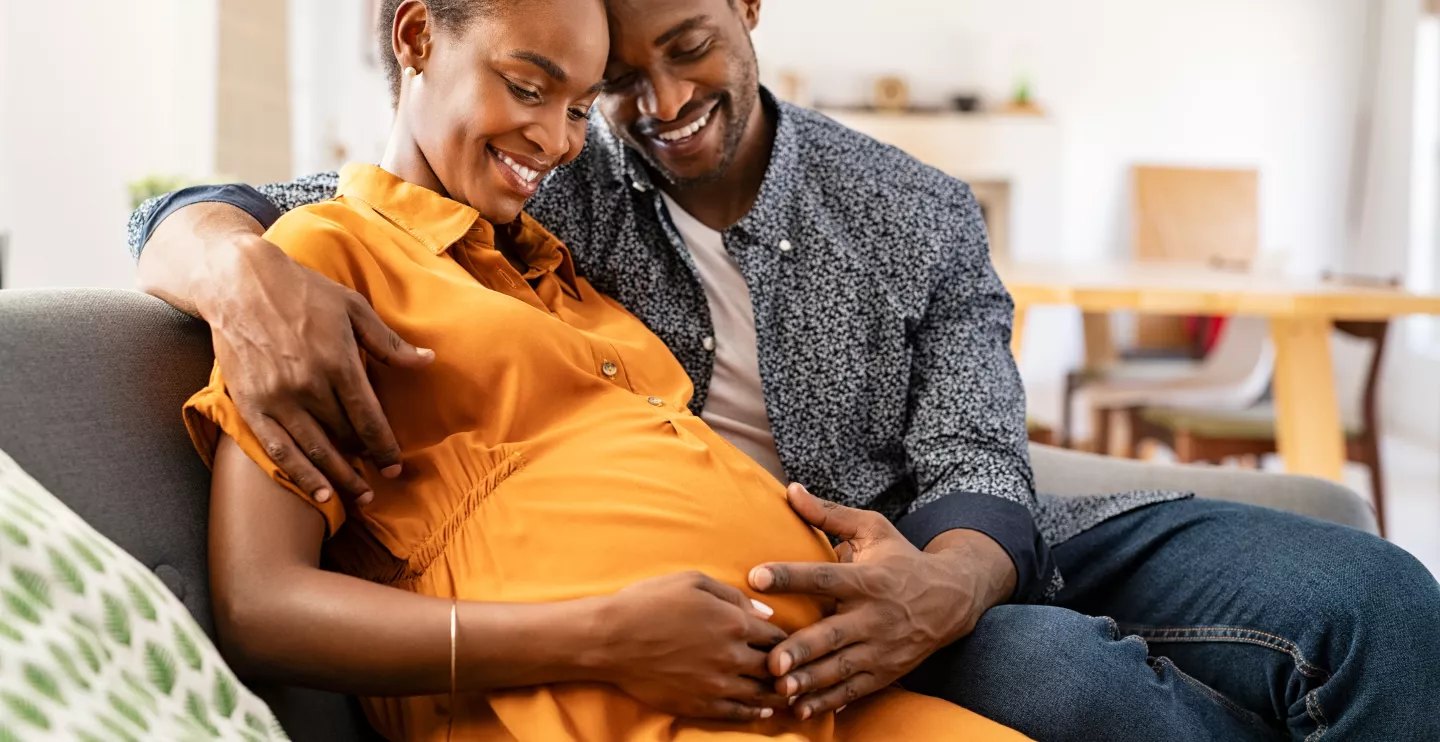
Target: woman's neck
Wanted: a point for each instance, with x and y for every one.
(404, 160)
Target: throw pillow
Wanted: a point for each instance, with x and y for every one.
(92, 644)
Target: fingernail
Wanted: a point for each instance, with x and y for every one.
(767, 713)
(842, 708)
(791, 686)
(391, 471)
(322, 495)
(761, 578)
(785, 662)
(804, 713)
(765, 609)
(365, 499)
(793, 699)
(425, 352)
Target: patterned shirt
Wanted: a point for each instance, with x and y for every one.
(883, 330)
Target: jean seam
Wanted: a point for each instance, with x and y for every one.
(1244, 636)
(1234, 634)
(1234, 708)
(1312, 707)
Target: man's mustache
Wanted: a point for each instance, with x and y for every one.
(652, 126)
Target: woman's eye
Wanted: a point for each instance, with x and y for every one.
(579, 114)
(524, 94)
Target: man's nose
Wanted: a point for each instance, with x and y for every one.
(665, 97)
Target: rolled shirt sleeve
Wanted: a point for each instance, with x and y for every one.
(966, 441)
(265, 203)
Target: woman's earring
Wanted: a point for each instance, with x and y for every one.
(411, 72)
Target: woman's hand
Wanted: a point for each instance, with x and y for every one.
(691, 646)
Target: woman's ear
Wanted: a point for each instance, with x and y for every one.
(410, 34)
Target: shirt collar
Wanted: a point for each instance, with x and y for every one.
(439, 222)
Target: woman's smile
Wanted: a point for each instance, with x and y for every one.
(523, 174)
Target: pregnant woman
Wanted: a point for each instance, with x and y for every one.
(564, 553)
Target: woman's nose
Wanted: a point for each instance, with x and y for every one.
(551, 136)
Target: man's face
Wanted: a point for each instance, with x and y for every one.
(682, 82)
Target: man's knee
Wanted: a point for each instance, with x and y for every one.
(1031, 665)
(1389, 598)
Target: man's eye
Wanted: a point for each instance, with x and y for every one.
(694, 51)
(524, 94)
(622, 82)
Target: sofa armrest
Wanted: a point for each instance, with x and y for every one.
(1061, 472)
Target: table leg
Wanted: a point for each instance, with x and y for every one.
(1017, 333)
(1309, 434)
(1099, 341)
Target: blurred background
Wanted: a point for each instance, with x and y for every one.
(1293, 139)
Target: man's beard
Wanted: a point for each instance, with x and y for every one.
(737, 105)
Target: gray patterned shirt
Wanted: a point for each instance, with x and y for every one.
(883, 331)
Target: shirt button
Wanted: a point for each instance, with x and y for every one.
(708, 343)
(656, 401)
(785, 246)
(609, 369)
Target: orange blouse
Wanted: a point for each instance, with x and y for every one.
(549, 455)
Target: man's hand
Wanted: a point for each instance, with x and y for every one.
(690, 646)
(895, 605)
(289, 342)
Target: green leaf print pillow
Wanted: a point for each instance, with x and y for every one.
(94, 647)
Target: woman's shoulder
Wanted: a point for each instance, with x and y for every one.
(328, 237)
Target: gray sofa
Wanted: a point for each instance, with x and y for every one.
(91, 384)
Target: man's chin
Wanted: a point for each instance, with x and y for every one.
(687, 173)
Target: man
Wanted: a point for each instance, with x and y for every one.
(833, 301)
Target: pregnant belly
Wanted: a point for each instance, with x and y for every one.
(590, 513)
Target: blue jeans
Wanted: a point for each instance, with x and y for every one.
(1207, 620)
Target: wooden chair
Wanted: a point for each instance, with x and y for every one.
(1195, 215)
(1039, 433)
(1201, 435)
(1234, 376)
(1184, 215)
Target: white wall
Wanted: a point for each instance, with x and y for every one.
(99, 93)
(341, 111)
(1386, 242)
(1195, 82)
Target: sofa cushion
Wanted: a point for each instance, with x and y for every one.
(93, 646)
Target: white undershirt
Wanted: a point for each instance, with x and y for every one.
(735, 407)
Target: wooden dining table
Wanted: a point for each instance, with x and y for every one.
(1301, 312)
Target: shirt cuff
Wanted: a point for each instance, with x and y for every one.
(241, 196)
(1008, 523)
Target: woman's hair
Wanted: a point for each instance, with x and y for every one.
(445, 14)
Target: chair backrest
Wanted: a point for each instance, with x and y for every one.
(91, 384)
(1376, 333)
(1242, 361)
(1192, 215)
(1197, 215)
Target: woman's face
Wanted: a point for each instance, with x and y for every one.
(502, 101)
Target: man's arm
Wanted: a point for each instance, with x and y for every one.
(966, 439)
(266, 203)
(201, 250)
(969, 542)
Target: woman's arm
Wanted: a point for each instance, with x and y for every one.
(280, 617)
(683, 643)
